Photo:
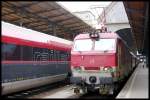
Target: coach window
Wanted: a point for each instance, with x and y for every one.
(65, 55)
(37, 54)
(3, 51)
(27, 53)
(57, 54)
(51, 54)
(46, 54)
(68, 56)
(60, 55)
(54, 56)
(11, 51)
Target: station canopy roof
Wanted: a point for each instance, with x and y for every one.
(46, 17)
(137, 13)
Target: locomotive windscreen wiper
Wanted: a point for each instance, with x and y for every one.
(105, 51)
(80, 51)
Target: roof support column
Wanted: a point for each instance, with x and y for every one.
(54, 30)
(21, 21)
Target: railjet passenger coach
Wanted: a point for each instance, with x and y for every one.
(31, 58)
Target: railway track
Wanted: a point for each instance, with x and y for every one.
(96, 95)
(63, 89)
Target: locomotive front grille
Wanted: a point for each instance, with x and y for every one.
(92, 68)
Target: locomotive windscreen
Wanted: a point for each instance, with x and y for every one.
(89, 44)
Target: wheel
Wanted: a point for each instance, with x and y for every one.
(76, 91)
(104, 90)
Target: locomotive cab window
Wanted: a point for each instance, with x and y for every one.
(83, 45)
(99, 45)
(105, 44)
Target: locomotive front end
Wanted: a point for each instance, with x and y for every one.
(93, 62)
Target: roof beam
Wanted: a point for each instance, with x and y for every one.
(15, 23)
(37, 25)
(28, 23)
(20, 18)
(61, 21)
(41, 28)
(74, 25)
(58, 15)
(30, 14)
(146, 22)
(44, 11)
(48, 29)
(130, 14)
(132, 10)
(8, 13)
(80, 27)
(29, 5)
(137, 31)
(137, 25)
(71, 23)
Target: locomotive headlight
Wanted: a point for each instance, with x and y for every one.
(108, 68)
(105, 68)
(77, 68)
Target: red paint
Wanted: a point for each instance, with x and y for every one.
(50, 45)
(92, 68)
(110, 52)
(94, 60)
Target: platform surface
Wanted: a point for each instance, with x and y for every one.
(137, 85)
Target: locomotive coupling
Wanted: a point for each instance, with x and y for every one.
(92, 79)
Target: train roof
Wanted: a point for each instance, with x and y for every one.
(102, 35)
(13, 31)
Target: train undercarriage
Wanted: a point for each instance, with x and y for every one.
(81, 87)
(104, 89)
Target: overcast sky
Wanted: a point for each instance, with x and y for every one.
(83, 6)
(86, 6)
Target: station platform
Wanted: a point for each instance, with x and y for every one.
(137, 85)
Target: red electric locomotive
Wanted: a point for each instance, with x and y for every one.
(99, 61)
